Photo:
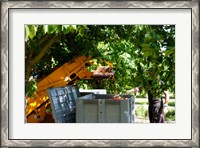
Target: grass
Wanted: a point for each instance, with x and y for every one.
(141, 101)
(141, 109)
(141, 112)
(144, 101)
(170, 115)
(171, 103)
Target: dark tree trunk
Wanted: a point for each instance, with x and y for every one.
(156, 114)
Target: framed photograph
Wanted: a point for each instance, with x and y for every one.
(15, 15)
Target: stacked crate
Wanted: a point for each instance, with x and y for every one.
(102, 108)
(63, 103)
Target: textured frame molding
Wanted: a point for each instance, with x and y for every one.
(193, 5)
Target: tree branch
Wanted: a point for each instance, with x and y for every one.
(43, 39)
(36, 59)
(43, 51)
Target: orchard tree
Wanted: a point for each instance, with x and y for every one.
(135, 49)
(155, 49)
(132, 49)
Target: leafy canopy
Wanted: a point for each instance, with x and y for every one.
(132, 49)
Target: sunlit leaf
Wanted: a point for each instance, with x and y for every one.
(32, 31)
(52, 28)
(45, 28)
(27, 32)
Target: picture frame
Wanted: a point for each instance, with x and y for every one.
(7, 6)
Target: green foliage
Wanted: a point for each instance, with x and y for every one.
(30, 88)
(153, 52)
(171, 103)
(170, 115)
(131, 48)
(141, 111)
(30, 31)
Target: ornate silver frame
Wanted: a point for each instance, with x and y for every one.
(193, 5)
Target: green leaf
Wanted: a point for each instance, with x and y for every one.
(65, 30)
(52, 29)
(147, 35)
(147, 54)
(45, 28)
(81, 31)
(32, 31)
(27, 32)
(69, 29)
(155, 55)
(65, 26)
(74, 26)
(168, 52)
(30, 88)
(59, 29)
(144, 45)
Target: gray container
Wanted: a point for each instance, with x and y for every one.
(100, 108)
(63, 103)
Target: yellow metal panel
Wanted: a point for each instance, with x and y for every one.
(55, 79)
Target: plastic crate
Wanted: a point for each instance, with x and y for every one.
(63, 103)
(100, 108)
(84, 92)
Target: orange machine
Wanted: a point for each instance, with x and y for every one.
(68, 73)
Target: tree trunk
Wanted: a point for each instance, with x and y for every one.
(156, 111)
